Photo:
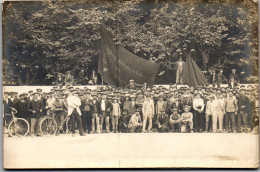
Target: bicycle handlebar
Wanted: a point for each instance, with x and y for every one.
(13, 109)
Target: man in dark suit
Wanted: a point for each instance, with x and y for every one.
(244, 110)
(162, 122)
(95, 111)
(105, 110)
(36, 107)
(7, 102)
(233, 79)
(86, 105)
(21, 107)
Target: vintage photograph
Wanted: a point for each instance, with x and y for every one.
(130, 84)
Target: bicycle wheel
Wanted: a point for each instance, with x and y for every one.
(48, 126)
(20, 127)
(69, 126)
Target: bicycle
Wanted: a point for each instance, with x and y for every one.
(49, 125)
(18, 126)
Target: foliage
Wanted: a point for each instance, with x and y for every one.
(59, 36)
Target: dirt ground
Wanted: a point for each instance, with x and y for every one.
(133, 150)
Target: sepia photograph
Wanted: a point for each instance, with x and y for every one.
(130, 84)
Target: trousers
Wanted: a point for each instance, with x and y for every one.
(231, 117)
(242, 116)
(86, 121)
(95, 122)
(75, 117)
(35, 125)
(106, 117)
(217, 117)
(115, 123)
(150, 121)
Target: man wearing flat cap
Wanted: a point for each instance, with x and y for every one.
(59, 107)
(148, 112)
(133, 85)
(186, 120)
(162, 122)
(21, 107)
(175, 121)
(244, 110)
(105, 110)
(7, 104)
(74, 112)
(135, 122)
(35, 107)
(218, 111)
(233, 79)
(231, 111)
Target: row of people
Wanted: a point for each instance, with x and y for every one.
(209, 109)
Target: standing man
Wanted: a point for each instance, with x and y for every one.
(105, 109)
(221, 78)
(59, 107)
(74, 111)
(148, 112)
(233, 79)
(208, 113)
(21, 107)
(7, 105)
(35, 106)
(95, 113)
(231, 111)
(86, 105)
(180, 66)
(244, 109)
(218, 111)
(69, 78)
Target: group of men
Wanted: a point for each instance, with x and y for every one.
(138, 108)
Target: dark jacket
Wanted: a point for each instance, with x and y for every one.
(7, 106)
(244, 101)
(21, 107)
(95, 108)
(108, 106)
(36, 106)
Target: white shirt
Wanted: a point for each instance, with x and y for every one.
(198, 102)
(148, 107)
(103, 105)
(218, 105)
(73, 103)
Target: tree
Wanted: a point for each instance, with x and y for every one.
(60, 36)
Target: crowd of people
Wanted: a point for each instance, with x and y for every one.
(139, 108)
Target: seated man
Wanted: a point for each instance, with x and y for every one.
(175, 121)
(123, 122)
(186, 120)
(162, 122)
(135, 122)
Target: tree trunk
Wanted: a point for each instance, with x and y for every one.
(20, 82)
(33, 78)
(27, 76)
